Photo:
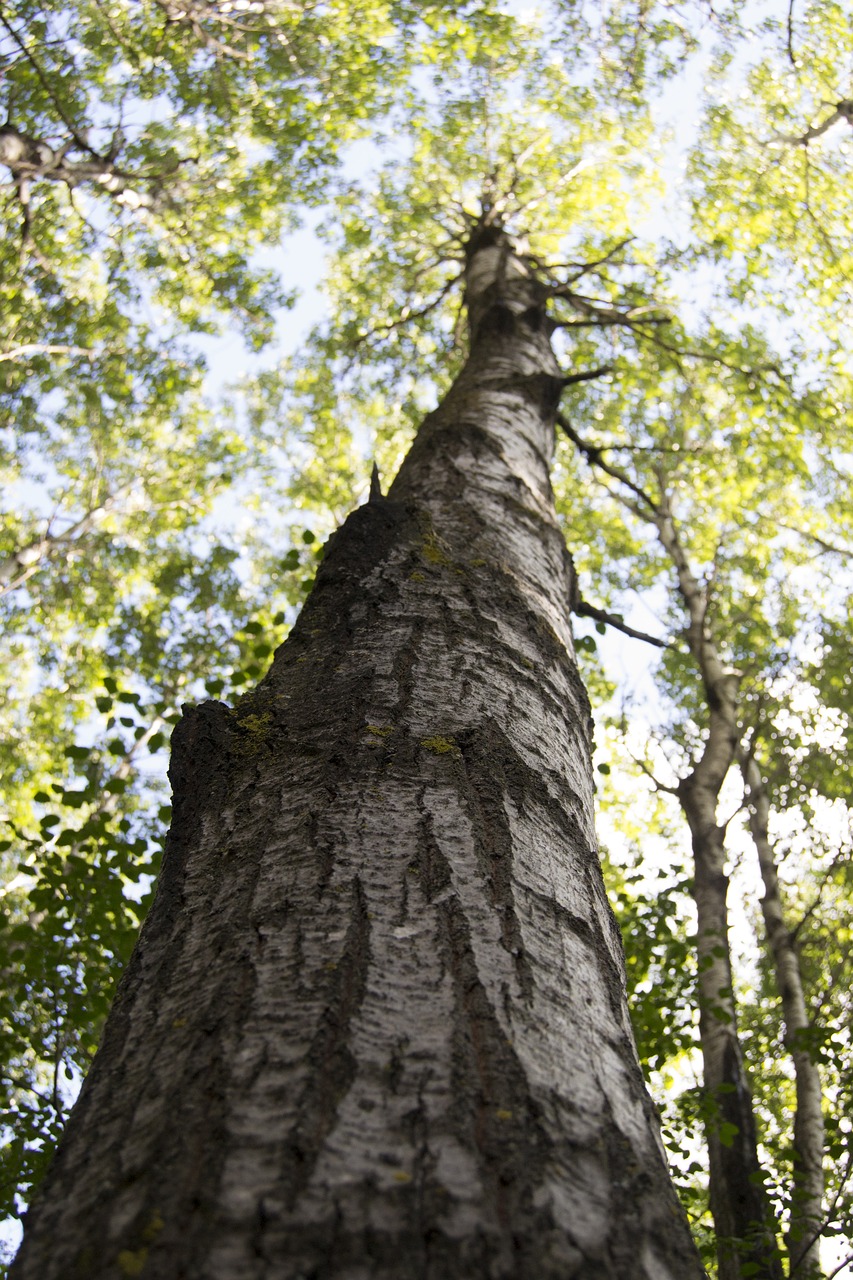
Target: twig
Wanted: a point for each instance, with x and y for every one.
(406, 315)
(580, 268)
(820, 542)
(658, 785)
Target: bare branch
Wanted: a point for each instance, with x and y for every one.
(596, 311)
(791, 57)
(573, 378)
(842, 1266)
(830, 547)
(593, 455)
(658, 785)
(584, 610)
(408, 314)
(579, 269)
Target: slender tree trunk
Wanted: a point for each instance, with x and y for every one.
(375, 1025)
(739, 1205)
(808, 1185)
(738, 1202)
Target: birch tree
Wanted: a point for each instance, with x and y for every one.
(376, 1018)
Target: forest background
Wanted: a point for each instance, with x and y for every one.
(161, 528)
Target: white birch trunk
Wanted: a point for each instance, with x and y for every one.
(376, 1025)
(743, 1224)
(808, 1182)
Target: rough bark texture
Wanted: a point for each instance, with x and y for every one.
(376, 1024)
(807, 1194)
(741, 1212)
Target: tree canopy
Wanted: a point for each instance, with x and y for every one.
(680, 176)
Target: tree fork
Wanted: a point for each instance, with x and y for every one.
(375, 1025)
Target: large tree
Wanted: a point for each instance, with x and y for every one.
(376, 1020)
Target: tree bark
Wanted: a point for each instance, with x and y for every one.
(808, 1183)
(375, 1025)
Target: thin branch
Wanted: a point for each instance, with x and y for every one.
(841, 1267)
(596, 311)
(658, 785)
(829, 1215)
(616, 447)
(407, 314)
(593, 455)
(598, 315)
(842, 110)
(824, 880)
(528, 206)
(579, 268)
(820, 542)
(791, 57)
(572, 378)
(46, 85)
(584, 610)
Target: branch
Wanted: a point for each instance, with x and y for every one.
(584, 610)
(813, 537)
(658, 785)
(572, 378)
(27, 158)
(598, 315)
(840, 858)
(845, 1262)
(407, 314)
(17, 567)
(45, 84)
(579, 268)
(45, 349)
(842, 110)
(596, 312)
(828, 1217)
(791, 57)
(593, 455)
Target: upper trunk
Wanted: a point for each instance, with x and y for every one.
(375, 1025)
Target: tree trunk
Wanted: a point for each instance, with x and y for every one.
(375, 1025)
(807, 1191)
(742, 1216)
(746, 1244)
(739, 1204)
